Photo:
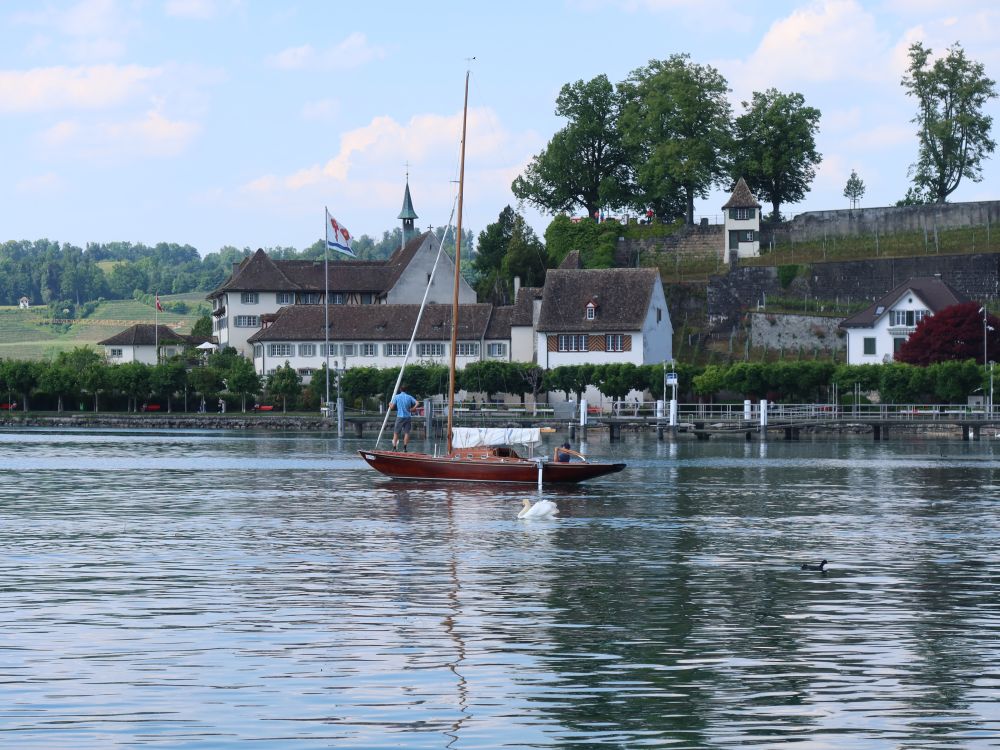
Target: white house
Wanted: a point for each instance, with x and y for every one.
(377, 336)
(139, 342)
(261, 286)
(601, 316)
(742, 223)
(875, 334)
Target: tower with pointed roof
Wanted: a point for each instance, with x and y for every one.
(742, 221)
(408, 215)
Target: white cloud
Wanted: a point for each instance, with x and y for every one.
(151, 134)
(430, 140)
(64, 88)
(882, 137)
(95, 29)
(826, 41)
(352, 52)
(199, 10)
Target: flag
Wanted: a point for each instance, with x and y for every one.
(337, 236)
(159, 307)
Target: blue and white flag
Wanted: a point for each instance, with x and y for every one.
(337, 236)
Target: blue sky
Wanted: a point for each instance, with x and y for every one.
(234, 122)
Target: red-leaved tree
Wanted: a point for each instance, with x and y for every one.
(954, 333)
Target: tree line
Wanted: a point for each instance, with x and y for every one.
(667, 134)
(81, 378)
(50, 273)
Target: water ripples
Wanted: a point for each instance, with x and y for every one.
(204, 590)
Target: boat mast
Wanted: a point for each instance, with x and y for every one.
(458, 262)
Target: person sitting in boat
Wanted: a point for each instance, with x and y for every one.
(564, 454)
(403, 403)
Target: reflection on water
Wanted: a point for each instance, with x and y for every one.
(203, 590)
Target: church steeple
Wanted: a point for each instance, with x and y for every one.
(408, 215)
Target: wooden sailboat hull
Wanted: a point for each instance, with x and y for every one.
(456, 468)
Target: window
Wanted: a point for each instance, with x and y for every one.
(430, 350)
(337, 298)
(870, 346)
(572, 343)
(497, 349)
(249, 298)
(279, 350)
(742, 214)
(897, 342)
(367, 350)
(659, 315)
(246, 321)
(333, 350)
(467, 349)
(747, 236)
(394, 350)
(367, 299)
(310, 298)
(908, 318)
(115, 354)
(307, 350)
(305, 371)
(285, 298)
(614, 342)
(591, 312)
(258, 350)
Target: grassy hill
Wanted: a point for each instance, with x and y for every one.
(31, 334)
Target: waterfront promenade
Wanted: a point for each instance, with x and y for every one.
(700, 420)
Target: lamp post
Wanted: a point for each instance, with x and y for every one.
(991, 389)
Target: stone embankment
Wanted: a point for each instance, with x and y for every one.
(170, 421)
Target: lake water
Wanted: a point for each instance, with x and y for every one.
(222, 590)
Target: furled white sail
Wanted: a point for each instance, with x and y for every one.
(475, 437)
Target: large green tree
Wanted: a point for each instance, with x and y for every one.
(584, 165)
(775, 147)
(676, 124)
(488, 261)
(952, 127)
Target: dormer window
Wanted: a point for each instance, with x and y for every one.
(591, 310)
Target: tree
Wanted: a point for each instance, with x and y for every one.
(131, 379)
(166, 379)
(95, 378)
(243, 380)
(584, 165)
(285, 382)
(202, 327)
(675, 124)
(21, 376)
(569, 379)
(206, 381)
(953, 131)
(488, 261)
(854, 190)
(775, 147)
(58, 379)
(526, 257)
(954, 333)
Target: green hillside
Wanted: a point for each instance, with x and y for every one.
(30, 334)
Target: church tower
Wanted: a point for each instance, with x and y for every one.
(408, 215)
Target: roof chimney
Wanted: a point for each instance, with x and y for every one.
(517, 287)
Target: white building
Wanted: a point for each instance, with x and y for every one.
(260, 286)
(139, 343)
(742, 222)
(377, 336)
(602, 316)
(875, 334)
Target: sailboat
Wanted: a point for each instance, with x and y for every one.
(481, 454)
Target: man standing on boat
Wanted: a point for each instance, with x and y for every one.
(402, 403)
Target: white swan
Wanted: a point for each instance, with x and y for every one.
(543, 509)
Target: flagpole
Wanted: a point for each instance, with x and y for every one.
(156, 325)
(326, 304)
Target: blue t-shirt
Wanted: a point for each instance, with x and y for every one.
(403, 403)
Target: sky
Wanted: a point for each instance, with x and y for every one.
(235, 122)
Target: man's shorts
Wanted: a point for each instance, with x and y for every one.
(403, 425)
